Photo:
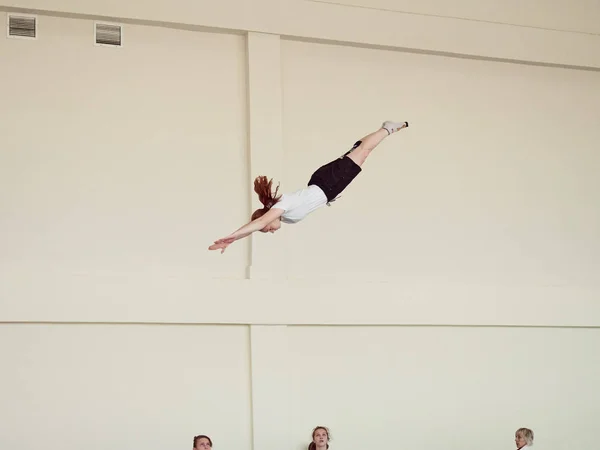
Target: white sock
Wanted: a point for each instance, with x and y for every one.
(392, 127)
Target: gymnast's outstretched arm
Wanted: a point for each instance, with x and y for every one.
(247, 230)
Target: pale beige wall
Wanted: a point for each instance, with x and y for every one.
(446, 387)
(559, 15)
(494, 182)
(70, 386)
(156, 385)
(111, 167)
(178, 113)
(559, 32)
(113, 158)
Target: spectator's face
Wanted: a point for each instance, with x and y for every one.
(320, 438)
(520, 440)
(203, 444)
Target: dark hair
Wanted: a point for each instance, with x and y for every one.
(312, 445)
(200, 436)
(262, 187)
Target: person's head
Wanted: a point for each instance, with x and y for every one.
(523, 437)
(202, 442)
(268, 198)
(320, 439)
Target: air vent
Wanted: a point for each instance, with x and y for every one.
(107, 34)
(22, 26)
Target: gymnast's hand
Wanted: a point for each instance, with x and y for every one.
(222, 243)
(246, 230)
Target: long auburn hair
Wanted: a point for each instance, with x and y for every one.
(266, 196)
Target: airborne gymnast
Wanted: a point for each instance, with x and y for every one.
(324, 186)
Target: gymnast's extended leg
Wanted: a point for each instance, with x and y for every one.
(363, 148)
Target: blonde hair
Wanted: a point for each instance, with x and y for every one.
(526, 434)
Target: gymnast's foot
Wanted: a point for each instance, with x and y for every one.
(392, 127)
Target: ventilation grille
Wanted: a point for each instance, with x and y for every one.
(22, 26)
(109, 35)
